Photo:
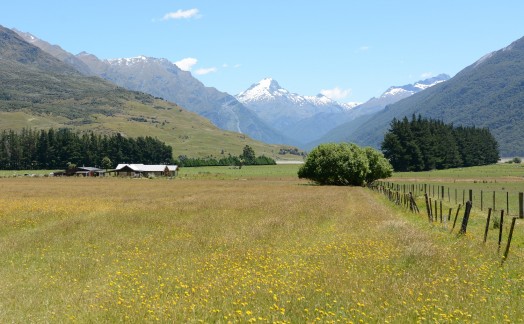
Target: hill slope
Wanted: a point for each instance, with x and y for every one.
(162, 78)
(39, 91)
(488, 93)
(364, 112)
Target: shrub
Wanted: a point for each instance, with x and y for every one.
(344, 164)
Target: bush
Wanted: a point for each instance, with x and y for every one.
(344, 164)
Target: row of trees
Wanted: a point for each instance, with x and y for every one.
(54, 149)
(344, 164)
(425, 144)
(248, 157)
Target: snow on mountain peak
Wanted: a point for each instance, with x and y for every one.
(269, 83)
(265, 90)
(395, 91)
(128, 61)
(409, 89)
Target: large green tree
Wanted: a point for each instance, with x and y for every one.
(426, 144)
(344, 164)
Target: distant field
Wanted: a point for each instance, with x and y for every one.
(283, 171)
(214, 172)
(502, 181)
(249, 245)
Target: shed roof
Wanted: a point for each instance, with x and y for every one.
(89, 169)
(147, 167)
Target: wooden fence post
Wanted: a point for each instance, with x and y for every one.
(436, 212)
(441, 211)
(471, 195)
(487, 226)
(428, 209)
(509, 240)
(521, 204)
(465, 219)
(500, 227)
(507, 202)
(455, 221)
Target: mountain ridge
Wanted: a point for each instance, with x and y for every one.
(488, 93)
(39, 91)
(297, 117)
(164, 79)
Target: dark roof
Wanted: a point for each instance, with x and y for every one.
(89, 169)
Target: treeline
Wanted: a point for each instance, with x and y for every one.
(55, 149)
(425, 144)
(248, 157)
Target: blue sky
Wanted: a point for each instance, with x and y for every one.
(351, 50)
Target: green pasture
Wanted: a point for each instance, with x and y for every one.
(282, 171)
(257, 244)
(493, 186)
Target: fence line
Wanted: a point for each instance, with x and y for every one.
(405, 196)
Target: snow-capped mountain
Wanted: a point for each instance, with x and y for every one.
(162, 78)
(269, 91)
(364, 112)
(292, 114)
(410, 89)
(394, 94)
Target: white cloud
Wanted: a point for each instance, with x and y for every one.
(364, 48)
(187, 63)
(205, 71)
(336, 93)
(181, 14)
(426, 75)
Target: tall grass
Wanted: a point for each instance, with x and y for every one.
(237, 250)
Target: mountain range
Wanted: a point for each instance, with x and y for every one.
(290, 113)
(488, 93)
(265, 111)
(164, 79)
(39, 91)
(305, 119)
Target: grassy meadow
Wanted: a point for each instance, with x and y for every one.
(251, 245)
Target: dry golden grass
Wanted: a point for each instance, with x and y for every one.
(107, 250)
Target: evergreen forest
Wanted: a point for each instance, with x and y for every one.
(56, 149)
(423, 144)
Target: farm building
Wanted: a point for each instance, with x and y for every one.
(81, 172)
(144, 170)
